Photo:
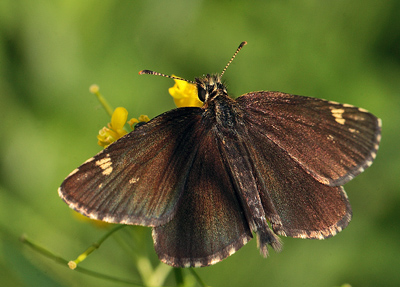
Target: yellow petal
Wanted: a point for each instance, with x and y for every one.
(132, 122)
(106, 136)
(144, 118)
(119, 118)
(185, 94)
(188, 102)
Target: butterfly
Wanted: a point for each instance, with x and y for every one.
(206, 179)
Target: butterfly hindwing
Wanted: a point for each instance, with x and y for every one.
(295, 203)
(210, 223)
(139, 178)
(331, 141)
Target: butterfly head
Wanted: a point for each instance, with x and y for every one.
(209, 86)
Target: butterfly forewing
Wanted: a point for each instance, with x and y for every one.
(210, 223)
(331, 141)
(139, 178)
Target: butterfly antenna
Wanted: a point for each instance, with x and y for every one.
(233, 57)
(148, 72)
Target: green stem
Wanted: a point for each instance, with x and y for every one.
(64, 262)
(94, 89)
(160, 274)
(179, 277)
(149, 275)
(93, 247)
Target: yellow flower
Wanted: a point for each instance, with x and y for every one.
(142, 119)
(115, 129)
(185, 94)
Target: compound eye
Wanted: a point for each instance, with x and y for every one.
(201, 94)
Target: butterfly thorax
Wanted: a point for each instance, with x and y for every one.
(219, 108)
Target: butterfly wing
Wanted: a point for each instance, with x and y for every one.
(303, 148)
(139, 178)
(333, 142)
(210, 223)
(294, 202)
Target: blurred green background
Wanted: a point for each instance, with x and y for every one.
(52, 51)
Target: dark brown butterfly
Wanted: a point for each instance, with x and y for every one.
(207, 178)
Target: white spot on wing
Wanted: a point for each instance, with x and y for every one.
(133, 180)
(73, 172)
(353, 130)
(89, 160)
(215, 260)
(60, 193)
(363, 110)
(337, 114)
(110, 219)
(334, 103)
(105, 165)
(379, 124)
(303, 236)
(231, 251)
(107, 171)
(104, 161)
